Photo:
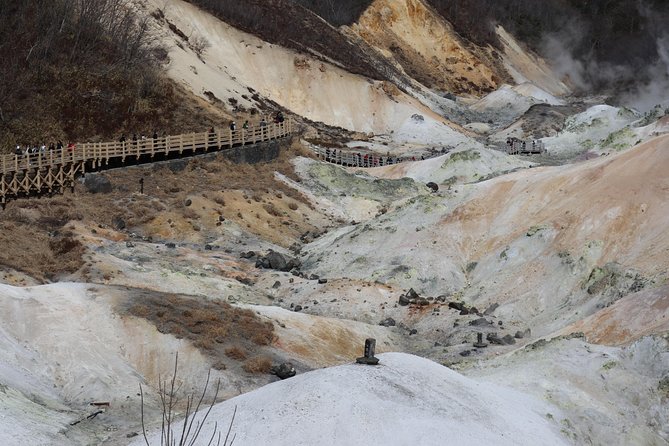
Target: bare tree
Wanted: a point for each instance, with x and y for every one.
(192, 427)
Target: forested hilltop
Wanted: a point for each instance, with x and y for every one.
(81, 69)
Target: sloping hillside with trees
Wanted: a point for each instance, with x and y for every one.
(81, 70)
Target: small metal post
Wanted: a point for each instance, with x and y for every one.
(479, 341)
(369, 358)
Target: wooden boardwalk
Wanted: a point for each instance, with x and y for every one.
(50, 171)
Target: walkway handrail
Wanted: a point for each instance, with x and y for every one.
(96, 152)
(351, 158)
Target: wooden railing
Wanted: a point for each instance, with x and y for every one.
(362, 159)
(97, 153)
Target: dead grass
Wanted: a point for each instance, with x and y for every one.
(215, 327)
(258, 365)
(45, 253)
(235, 352)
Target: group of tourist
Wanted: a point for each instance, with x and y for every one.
(33, 149)
(367, 160)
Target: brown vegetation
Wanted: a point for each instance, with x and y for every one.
(236, 353)
(257, 365)
(36, 243)
(85, 70)
(212, 326)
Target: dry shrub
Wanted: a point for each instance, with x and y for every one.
(190, 214)
(257, 365)
(292, 206)
(140, 310)
(64, 244)
(271, 209)
(218, 199)
(236, 353)
(210, 325)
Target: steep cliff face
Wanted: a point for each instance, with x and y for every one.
(416, 38)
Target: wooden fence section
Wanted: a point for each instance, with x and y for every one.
(48, 171)
(356, 159)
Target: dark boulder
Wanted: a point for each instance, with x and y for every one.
(458, 306)
(433, 186)
(421, 301)
(118, 223)
(388, 322)
(493, 338)
(404, 300)
(491, 309)
(276, 260)
(480, 322)
(97, 184)
(411, 294)
(178, 165)
(284, 370)
(509, 340)
(247, 255)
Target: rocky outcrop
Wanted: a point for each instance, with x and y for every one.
(276, 260)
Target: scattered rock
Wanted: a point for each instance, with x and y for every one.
(491, 309)
(457, 306)
(97, 184)
(297, 308)
(118, 223)
(247, 255)
(276, 260)
(480, 322)
(422, 301)
(523, 334)
(129, 244)
(276, 284)
(177, 165)
(465, 353)
(322, 281)
(284, 370)
(314, 277)
(170, 245)
(413, 331)
(663, 386)
(221, 218)
(411, 294)
(188, 202)
(404, 300)
(388, 322)
(509, 340)
(433, 186)
(208, 247)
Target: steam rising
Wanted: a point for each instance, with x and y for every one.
(649, 84)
